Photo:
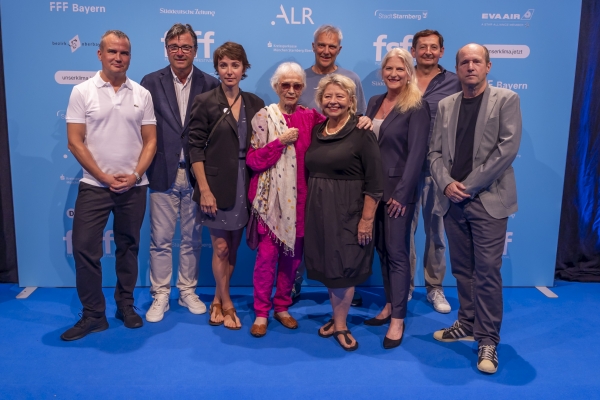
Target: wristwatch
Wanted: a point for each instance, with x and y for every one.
(138, 178)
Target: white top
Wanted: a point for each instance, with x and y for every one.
(113, 123)
(182, 91)
(376, 126)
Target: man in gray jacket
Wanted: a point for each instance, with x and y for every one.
(475, 139)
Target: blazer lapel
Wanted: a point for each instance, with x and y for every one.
(169, 88)
(196, 89)
(488, 101)
(453, 124)
(388, 120)
(224, 105)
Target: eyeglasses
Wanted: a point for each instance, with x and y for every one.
(286, 86)
(185, 49)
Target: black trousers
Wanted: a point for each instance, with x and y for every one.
(92, 209)
(392, 241)
(476, 243)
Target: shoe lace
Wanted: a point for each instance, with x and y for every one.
(82, 320)
(487, 352)
(130, 310)
(455, 325)
(438, 296)
(158, 303)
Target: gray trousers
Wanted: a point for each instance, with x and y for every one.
(476, 243)
(434, 258)
(164, 209)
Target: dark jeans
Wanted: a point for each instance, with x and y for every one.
(92, 209)
(392, 241)
(476, 242)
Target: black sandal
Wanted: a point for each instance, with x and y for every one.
(326, 327)
(346, 339)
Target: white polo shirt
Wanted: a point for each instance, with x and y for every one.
(113, 123)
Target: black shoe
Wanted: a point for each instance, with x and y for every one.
(378, 321)
(391, 343)
(356, 300)
(487, 359)
(84, 326)
(454, 333)
(130, 318)
(296, 289)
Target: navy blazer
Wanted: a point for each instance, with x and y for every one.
(221, 155)
(403, 139)
(171, 134)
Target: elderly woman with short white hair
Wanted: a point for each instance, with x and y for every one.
(280, 138)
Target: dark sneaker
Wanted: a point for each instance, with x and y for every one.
(487, 359)
(84, 326)
(356, 300)
(454, 333)
(130, 318)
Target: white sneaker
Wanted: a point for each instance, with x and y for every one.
(193, 303)
(410, 292)
(160, 305)
(437, 298)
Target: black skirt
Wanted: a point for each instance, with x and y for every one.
(331, 250)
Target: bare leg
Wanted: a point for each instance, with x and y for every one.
(341, 299)
(225, 246)
(396, 328)
(385, 311)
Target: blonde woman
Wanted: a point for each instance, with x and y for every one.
(401, 124)
(344, 186)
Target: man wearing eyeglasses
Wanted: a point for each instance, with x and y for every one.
(171, 183)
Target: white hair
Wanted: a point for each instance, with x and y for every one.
(287, 68)
(328, 29)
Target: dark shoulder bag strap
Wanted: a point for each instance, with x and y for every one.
(221, 119)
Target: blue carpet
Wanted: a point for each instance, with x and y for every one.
(549, 350)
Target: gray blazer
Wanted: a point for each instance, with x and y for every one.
(497, 139)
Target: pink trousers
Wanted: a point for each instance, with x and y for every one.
(269, 255)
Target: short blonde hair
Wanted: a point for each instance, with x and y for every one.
(343, 82)
(410, 97)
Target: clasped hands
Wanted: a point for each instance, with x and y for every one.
(119, 183)
(456, 192)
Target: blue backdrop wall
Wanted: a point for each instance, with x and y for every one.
(50, 46)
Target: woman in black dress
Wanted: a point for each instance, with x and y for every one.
(344, 186)
(219, 137)
(401, 123)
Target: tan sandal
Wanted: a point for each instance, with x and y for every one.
(231, 313)
(217, 307)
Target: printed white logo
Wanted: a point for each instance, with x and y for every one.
(401, 15)
(506, 85)
(508, 50)
(204, 43)
(70, 212)
(306, 13)
(380, 44)
(525, 17)
(72, 77)
(507, 240)
(64, 6)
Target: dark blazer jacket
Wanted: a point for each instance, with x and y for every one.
(403, 139)
(220, 156)
(171, 134)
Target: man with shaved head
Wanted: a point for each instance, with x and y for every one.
(475, 139)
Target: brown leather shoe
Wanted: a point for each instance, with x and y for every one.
(258, 330)
(288, 322)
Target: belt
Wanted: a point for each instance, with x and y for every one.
(182, 165)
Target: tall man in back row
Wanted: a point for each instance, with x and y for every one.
(327, 45)
(111, 131)
(435, 83)
(173, 89)
(476, 138)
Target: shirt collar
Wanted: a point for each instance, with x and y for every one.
(188, 79)
(99, 82)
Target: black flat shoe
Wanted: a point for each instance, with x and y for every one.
(378, 321)
(390, 343)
